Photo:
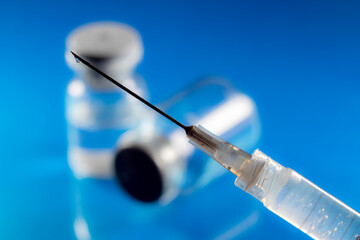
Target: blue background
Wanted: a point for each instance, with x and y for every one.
(299, 61)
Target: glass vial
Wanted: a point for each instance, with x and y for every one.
(158, 165)
(97, 111)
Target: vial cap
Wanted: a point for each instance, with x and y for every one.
(112, 46)
(138, 174)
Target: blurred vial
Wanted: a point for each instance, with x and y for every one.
(161, 164)
(189, 191)
(97, 111)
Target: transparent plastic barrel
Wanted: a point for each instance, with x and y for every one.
(300, 202)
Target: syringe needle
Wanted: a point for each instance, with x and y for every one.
(198, 136)
(80, 59)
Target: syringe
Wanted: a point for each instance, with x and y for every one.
(280, 189)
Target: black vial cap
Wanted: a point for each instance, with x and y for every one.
(137, 172)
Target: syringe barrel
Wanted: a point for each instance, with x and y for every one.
(298, 201)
